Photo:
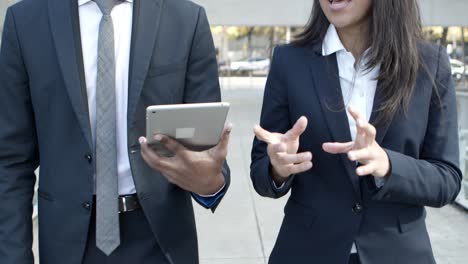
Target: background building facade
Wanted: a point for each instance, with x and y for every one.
(296, 12)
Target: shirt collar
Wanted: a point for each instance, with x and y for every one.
(332, 43)
(83, 2)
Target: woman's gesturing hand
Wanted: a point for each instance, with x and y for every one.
(282, 150)
(364, 149)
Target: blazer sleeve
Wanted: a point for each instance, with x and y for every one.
(435, 178)
(274, 118)
(202, 80)
(18, 151)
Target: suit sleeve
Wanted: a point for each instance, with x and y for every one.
(18, 151)
(202, 81)
(274, 118)
(435, 178)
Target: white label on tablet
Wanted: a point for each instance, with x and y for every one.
(184, 133)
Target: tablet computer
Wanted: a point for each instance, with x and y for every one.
(197, 126)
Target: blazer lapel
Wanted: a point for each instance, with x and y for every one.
(147, 14)
(324, 71)
(382, 128)
(60, 15)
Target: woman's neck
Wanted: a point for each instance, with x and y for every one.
(355, 38)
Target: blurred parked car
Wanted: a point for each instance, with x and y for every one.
(458, 69)
(258, 65)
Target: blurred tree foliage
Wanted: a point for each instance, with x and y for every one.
(445, 35)
(275, 35)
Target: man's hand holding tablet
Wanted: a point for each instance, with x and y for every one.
(198, 172)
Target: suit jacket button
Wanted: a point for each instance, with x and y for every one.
(87, 206)
(89, 158)
(357, 208)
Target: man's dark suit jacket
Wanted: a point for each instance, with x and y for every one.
(44, 121)
(330, 207)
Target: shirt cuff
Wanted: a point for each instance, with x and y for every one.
(209, 201)
(278, 187)
(380, 181)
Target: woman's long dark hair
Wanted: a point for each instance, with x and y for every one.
(395, 31)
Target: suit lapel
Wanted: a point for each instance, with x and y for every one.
(61, 23)
(324, 71)
(146, 23)
(327, 86)
(382, 128)
(79, 53)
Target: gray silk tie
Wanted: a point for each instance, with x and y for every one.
(107, 212)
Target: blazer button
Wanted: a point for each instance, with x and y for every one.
(89, 158)
(87, 206)
(357, 209)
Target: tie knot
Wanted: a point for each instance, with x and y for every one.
(106, 6)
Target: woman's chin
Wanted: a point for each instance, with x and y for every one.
(342, 22)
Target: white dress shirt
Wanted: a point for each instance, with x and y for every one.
(358, 85)
(90, 17)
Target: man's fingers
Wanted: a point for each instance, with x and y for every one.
(169, 143)
(223, 144)
(298, 128)
(152, 158)
(338, 148)
(365, 170)
(360, 155)
(226, 135)
(264, 135)
(300, 168)
(147, 153)
(287, 159)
